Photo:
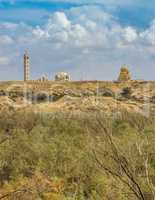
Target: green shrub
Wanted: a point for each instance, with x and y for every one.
(61, 147)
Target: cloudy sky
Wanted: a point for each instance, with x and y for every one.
(90, 39)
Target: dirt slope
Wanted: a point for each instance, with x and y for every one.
(86, 96)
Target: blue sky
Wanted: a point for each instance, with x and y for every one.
(89, 39)
(137, 14)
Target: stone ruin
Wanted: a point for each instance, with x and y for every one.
(44, 78)
(124, 74)
(62, 76)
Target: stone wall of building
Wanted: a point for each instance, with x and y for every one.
(63, 76)
(124, 74)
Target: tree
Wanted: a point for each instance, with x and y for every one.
(112, 157)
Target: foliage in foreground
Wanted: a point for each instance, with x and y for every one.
(60, 157)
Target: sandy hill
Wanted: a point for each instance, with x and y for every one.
(85, 96)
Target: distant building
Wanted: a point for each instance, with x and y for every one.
(62, 76)
(44, 78)
(26, 67)
(124, 74)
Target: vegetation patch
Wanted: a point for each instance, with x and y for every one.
(60, 156)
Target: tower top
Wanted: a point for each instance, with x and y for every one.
(26, 53)
(124, 68)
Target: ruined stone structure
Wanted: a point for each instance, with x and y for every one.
(44, 78)
(124, 74)
(62, 76)
(26, 67)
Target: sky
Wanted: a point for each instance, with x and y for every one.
(89, 39)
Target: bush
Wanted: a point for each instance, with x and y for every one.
(59, 150)
(126, 92)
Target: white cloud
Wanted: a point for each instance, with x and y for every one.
(59, 19)
(8, 25)
(149, 34)
(39, 33)
(85, 30)
(4, 60)
(5, 39)
(80, 40)
(60, 29)
(130, 34)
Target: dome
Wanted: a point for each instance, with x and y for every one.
(124, 68)
(62, 76)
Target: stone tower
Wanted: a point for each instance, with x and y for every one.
(124, 74)
(26, 66)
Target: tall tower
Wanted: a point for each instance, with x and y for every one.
(26, 66)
